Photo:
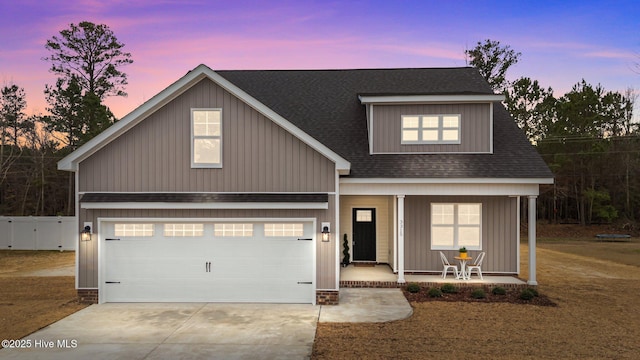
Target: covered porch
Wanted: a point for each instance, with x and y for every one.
(381, 275)
(407, 242)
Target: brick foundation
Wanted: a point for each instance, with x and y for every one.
(369, 284)
(88, 296)
(324, 297)
(327, 297)
(394, 284)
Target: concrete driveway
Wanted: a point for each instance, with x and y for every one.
(203, 330)
(177, 331)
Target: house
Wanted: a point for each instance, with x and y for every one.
(239, 186)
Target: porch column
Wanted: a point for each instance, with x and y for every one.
(401, 279)
(532, 240)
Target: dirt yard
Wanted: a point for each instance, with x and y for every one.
(29, 298)
(595, 286)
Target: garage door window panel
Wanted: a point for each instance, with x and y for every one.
(283, 230)
(233, 230)
(183, 230)
(133, 230)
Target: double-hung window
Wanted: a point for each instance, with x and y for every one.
(206, 138)
(456, 225)
(431, 129)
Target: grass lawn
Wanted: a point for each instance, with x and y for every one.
(624, 252)
(30, 302)
(595, 285)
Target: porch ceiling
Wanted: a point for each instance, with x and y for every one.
(408, 187)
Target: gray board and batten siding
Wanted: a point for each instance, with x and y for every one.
(475, 128)
(499, 233)
(258, 155)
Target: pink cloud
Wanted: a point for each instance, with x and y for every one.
(423, 49)
(556, 45)
(612, 54)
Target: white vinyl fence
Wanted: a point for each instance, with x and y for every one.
(38, 233)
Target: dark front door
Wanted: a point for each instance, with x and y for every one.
(364, 234)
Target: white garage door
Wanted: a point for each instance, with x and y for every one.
(219, 261)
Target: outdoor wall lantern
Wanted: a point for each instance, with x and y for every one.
(325, 232)
(85, 234)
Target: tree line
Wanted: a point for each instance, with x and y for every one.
(588, 136)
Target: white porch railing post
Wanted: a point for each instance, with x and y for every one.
(532, 240)
(401, 279)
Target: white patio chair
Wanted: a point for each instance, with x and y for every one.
(446, 266)
(476, 266)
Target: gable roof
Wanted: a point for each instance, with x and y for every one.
(327, 105)
(71, 161)
(323, 108)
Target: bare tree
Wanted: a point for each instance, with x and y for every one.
(12, 124)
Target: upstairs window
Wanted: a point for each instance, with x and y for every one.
(431, 129)
(206, 138)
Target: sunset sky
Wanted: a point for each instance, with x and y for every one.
(561, 42)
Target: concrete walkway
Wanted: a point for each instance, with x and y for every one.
(368, 305)
(203, 331)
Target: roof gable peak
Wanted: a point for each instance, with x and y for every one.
(71, 161)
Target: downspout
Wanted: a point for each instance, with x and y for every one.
(337, 228)
(77, 216)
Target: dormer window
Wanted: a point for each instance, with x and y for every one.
(431, 129)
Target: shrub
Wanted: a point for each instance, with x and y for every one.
(527, 294)
(435, 292)
(499, 290)
(533, 291)
(449, 289)
(413, 288)
(478, 294)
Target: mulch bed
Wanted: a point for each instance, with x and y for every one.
(464, 294)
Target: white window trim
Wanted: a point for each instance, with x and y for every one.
(440, 129)
(193, 137)
(456, 226)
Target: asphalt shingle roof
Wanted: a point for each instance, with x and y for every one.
(325, 104)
